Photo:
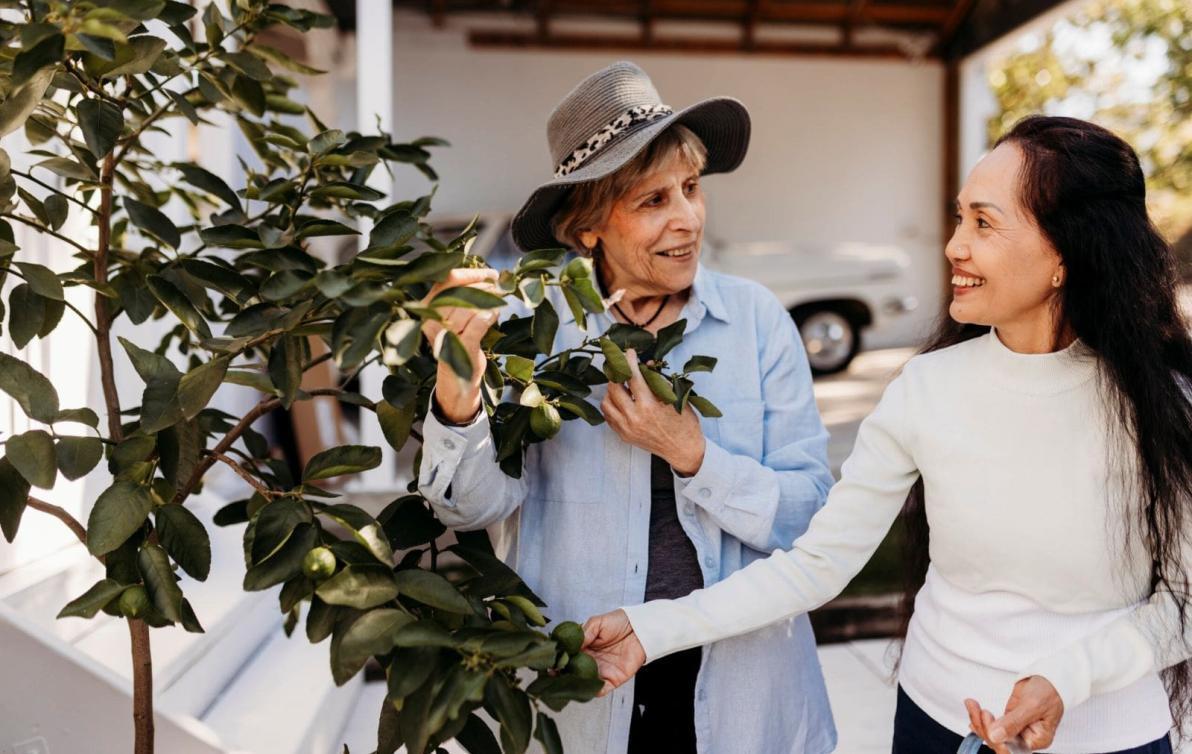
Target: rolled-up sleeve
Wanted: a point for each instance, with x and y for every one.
(767, 504)
(460, 477)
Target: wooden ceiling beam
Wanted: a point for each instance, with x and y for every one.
(769, 12)
(688, 45)
(951, 24)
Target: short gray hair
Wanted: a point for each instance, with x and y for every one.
(588, 204)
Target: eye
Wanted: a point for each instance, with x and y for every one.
(692, 187)
(654, 200)
(983, 223)
(956, 216)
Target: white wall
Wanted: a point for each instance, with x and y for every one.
(842, 150)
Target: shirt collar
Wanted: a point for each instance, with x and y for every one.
(705, 298)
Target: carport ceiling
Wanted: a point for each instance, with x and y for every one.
(942, 29)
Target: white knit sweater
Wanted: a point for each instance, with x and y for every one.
(1032, 572)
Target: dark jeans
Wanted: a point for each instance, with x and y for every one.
(664, 705)
(916, 733)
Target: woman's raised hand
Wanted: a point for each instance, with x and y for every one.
(457, 400)
(610, 640)
(640, 419)
(1032, 715)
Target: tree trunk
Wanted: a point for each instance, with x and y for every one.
(142, 686)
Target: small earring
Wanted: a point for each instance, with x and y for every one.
(1055, 281)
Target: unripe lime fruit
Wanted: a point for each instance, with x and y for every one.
(583, 666)
(570, 636)
(134, 601)
(545, 421)
(318, 563)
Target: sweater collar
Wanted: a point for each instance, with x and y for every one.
(1040, 373)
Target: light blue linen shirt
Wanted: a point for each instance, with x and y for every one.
(576, 525)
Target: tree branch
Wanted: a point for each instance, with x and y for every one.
(44, 229)
(44, 185)
(62, 515)
(103, 320)
(243, 474)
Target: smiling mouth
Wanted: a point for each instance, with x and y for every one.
(681, 252)
(964, 281)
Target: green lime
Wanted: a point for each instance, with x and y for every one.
(583, 666)
(318, 563)
(134, 601)
(545, 421)
(570, 636)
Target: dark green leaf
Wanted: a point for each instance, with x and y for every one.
(101, 123)
(344, 190)
(326, 141)
(139, 10)
(276, 522)
(544, 326)
(369, 635)
(68, 168)
(395, 229)
(669, 337)
(231, 237)
(205, 180)
(29, 388)
(424, 633)
(512, 708)
(78, 455)
(21, 102)
(285, 368)
(14, 494)
(410, 668)
(185, 538)
(321, 227)
(57, 210)
(395, 423)
(704, 406)
(286, 563)
(453, 353)
(42, 280)
(432, 589)
(659, 385)
(616, 364)
(248, 64)
(428, 268)
(98, 46)
(468, 297)
(47, 52)
(27, 313)
(80, 415)
(700, 364)
(119, 511)
(93, 600)
(557, 691)
(409, 523)
(197, 386)
(160, 582)
(345, 459)
(547, 734)
(154, 222)
(32, 453)
(134, 58)
(361, 587)
(174, 300)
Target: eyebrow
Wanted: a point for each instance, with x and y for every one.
(981, 205)
(656, 189)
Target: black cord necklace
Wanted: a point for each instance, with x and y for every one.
(648, 322)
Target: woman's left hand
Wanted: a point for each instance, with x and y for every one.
(1033, 714)
(639, 418)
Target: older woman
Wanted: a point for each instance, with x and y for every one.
(654, 504)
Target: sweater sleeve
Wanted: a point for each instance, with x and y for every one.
(842, 536)
(1145, 640)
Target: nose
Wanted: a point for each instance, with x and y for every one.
(957, 248)
(686, 216)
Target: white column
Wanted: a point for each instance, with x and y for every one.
(374, 99)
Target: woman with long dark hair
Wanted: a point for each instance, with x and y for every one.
(1043, 439)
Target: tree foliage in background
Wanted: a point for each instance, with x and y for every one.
(1127, 65)
(231, 270)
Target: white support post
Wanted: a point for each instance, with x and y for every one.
(374, 104)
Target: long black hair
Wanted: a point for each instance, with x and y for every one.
(1086, 191)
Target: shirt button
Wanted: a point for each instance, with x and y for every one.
(704, 492)
(689, 508)
(449, 444)
(710, 561)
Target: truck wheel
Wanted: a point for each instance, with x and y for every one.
(830, 338)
